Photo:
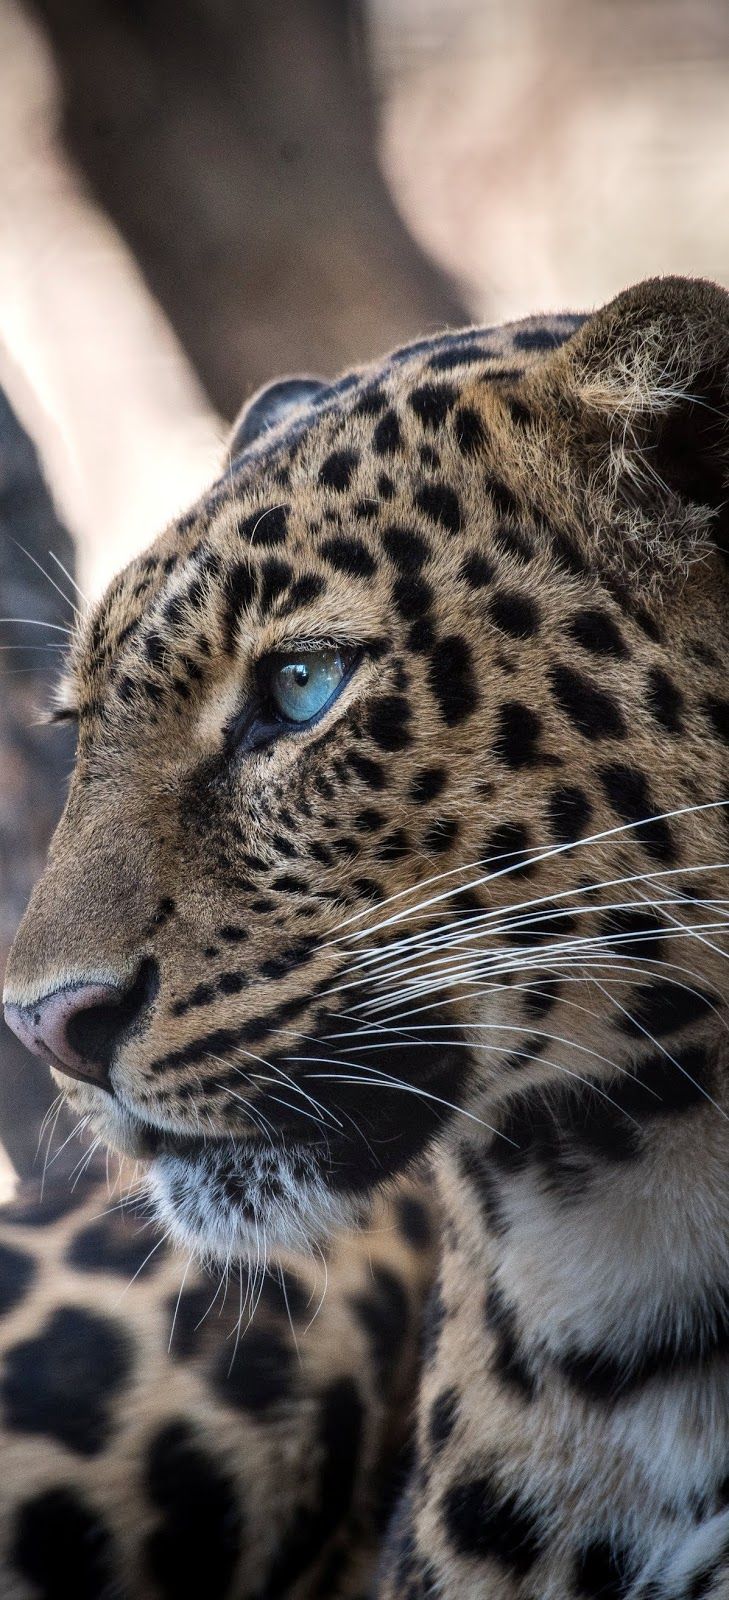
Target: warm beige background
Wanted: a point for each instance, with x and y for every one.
(545, 155)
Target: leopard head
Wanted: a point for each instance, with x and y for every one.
(400, 769)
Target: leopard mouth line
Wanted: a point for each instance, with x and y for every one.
(156, 1142)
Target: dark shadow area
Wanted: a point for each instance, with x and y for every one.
(34, 760)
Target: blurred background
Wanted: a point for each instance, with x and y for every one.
(199, 195)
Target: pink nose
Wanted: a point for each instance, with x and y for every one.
(73, 1029)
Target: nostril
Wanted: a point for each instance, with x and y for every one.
(79, 1028)
(94, 1032)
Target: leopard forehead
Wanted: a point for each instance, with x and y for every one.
(333, 522)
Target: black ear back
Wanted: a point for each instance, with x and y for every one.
(268, 408)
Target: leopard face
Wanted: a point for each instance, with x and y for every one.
(369, 746)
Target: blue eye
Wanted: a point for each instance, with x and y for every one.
(300, 685)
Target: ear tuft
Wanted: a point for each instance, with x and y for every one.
(271, 405)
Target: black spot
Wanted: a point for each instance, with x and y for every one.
(267, 525)
(284, 1294)
(275, 575)
(538, 1000)
(633, 932)
(411, 595)
(476, 570)
(17, 1271)
(516, 614)
(369, 820)
(337, 1454)
(233, 933)
(370, 402)
(514, 542)
(665, 700)
(507, 1362)
(509, 846)
(64, 1381)
(537, 339)
(628, 793)
(383, 1312)
(337, 471)
(457, 355)
(155, 648)
(432, 402)
(365, 510)
(370, 771)
(407, 549)
(548, 921)
(305, 589)
(521, 414)
(603, 1571)
(64, 1548)
(387, 437)
(718, 712)
(484, 1520)
(593, 711)
(471, 436)
(503, 498)
(413, 1221)
(662, 1007)
(568, 814)
(648, 624)
(518, 731)
(442, 1419)
(262, 1374)
(388, 720)
(566, 554)
(385, 486)
(349, 555)
(421, 636)
(238, 589)
(478, 1174)
(440, 503)
(115, 1244)
(596, 631)
(452, 680)
(427, 784)
(441, 835)
(232, 982)
(394, 846)
(195, 1547)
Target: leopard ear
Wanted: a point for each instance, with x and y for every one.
(643, 388)
(269, 407)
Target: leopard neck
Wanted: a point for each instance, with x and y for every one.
(597, 1219)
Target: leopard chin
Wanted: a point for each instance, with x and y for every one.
(237, 1199)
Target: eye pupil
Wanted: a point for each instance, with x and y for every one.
(301, 686)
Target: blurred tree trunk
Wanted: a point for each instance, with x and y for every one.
(34, 760)
(232, 142)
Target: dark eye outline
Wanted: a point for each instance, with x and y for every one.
(261, 722)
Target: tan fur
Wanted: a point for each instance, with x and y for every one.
(269, 1460)
(543, 643)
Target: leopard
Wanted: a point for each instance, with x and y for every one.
(170, 1431)
(394, 844)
